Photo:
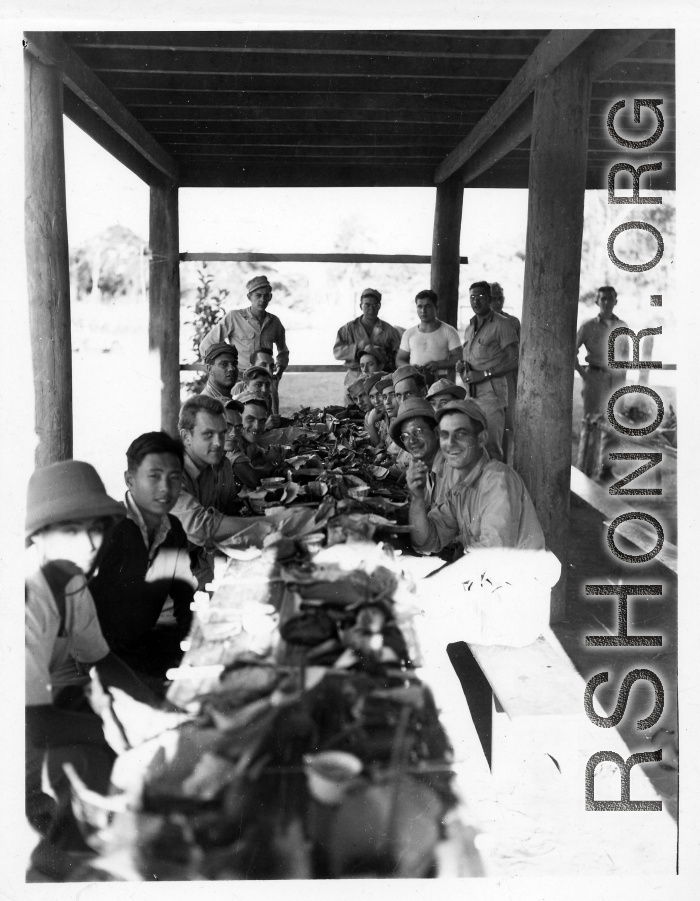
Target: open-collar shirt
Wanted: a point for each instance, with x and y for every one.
(489, 507)
(247, 334)
(134, 514)
(353, 336)
(594, 336)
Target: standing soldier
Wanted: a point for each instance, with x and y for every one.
(252, 328)
(367, 329)
(432, 345)
(490, 353)
(599, 382)
(497, 301)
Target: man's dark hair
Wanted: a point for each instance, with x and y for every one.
(153, 443)
(261, 350)
(606, 289)
(193, 405)
(428, 294)
(485, 286)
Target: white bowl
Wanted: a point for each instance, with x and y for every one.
(329, 774)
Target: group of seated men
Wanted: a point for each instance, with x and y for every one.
(113, 584)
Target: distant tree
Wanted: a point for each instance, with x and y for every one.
(109, 265)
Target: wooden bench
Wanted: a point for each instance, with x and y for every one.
(638, 532)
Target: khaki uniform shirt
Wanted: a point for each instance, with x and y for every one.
(488, 508)
(207, 495)
(352, 336)
(594, 336)
(242, 329)
(50, 657)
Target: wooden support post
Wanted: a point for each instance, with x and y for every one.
(46, 242)
(444, 267)
(551, 292)
(164, 300)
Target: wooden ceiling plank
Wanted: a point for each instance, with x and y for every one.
(317, 101)
(310, 43)
(605, 49)
(109, 62)
(281, 82)
(104, 135)
(547, 56)
(51, 50)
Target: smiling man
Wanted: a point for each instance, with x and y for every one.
(144, 563)
(415, 431)
(490, 352)
(251, 328)
(487, 506)
(208, 500)
(222, 370)
(265, 359)
(368, 329)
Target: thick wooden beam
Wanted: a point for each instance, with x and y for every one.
(607, 49)
(164, 300)
(46, 242)
(101, 132)
(551, 292)
(309, 257)
(549, 53)
(462, 45)
(444, 271)
(53, 51)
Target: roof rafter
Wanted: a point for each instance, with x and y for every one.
(549, 53)
(53, 51)
(609, 47)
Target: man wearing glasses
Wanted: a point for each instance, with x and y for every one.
(490, 352)
(365, 331)
(415, 431)
(487, 506)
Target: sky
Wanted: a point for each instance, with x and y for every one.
(101, 192)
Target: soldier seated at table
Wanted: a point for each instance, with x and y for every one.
(257, 380)
(208, 501)
(358, 395)
(251, 462)
(144, 584)
(371, 359)
(375, 420)
(67, 512)
(263, 357)
(415, 431)
(221, 361)
(488, 505)
(444, 392)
